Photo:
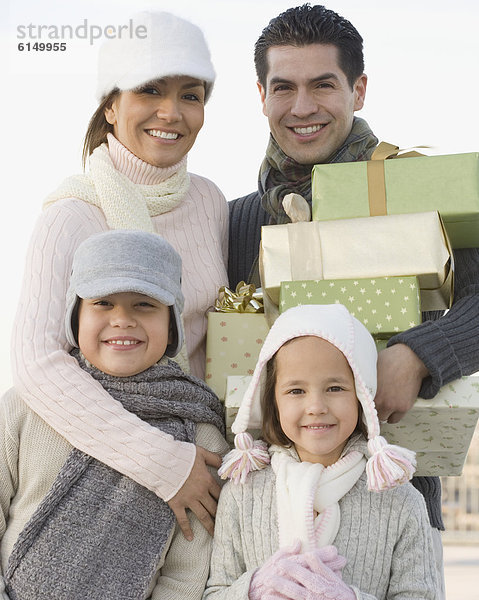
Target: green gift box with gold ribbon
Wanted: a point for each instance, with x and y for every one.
(385, 305)
(235, 334)
(415, 183)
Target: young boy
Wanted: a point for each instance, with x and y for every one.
(70, 527)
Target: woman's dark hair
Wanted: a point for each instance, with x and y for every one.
(98, 127)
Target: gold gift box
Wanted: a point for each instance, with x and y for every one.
(391, 245)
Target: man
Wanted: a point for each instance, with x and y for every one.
(309, 63)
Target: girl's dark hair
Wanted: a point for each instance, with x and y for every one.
(98, 127)
(271, 429)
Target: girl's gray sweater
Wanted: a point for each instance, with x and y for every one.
(385, 537)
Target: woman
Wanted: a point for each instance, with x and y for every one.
(152, 90)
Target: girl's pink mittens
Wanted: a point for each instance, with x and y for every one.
(261, 580)
(326, 582)
(328, 556)
(291, 575)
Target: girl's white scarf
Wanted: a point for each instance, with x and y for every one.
(126, 205)
(304, 488)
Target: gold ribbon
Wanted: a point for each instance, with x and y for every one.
(376, 177)
(245, 299)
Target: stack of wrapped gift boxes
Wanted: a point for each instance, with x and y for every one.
(380, 243)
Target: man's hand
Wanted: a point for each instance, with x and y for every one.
(199, 493)
(400, 375)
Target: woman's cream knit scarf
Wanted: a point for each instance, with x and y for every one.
(126, 205)
(303, 489)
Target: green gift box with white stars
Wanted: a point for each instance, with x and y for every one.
(385, 305)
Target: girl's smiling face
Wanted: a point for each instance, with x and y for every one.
(159, 121)
(316, 398)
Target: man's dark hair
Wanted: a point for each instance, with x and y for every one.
(304, 25)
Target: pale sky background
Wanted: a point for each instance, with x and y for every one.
(421, 58)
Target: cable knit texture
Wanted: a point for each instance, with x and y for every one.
(137, 170)
(124, 527)
(385, 538)
(31, 456)
(51, 382)
(126, 205)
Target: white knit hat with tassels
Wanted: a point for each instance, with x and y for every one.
(388, 465)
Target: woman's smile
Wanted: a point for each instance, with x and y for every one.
(159, 121)
(165, 135)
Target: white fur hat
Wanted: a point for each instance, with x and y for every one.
(171, 46)
(388, 465)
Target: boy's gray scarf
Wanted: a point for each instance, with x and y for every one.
(280, 174)
(98, 534)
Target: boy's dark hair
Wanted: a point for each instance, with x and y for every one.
(304, 25)
(272, 431)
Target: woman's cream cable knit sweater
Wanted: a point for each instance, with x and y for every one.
(51, 382)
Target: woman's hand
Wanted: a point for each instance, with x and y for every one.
(199, 493)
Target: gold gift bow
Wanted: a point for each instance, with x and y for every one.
(376, 177)
(245, 299)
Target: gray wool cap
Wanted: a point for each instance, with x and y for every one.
(127, 261)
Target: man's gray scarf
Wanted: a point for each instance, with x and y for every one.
(98, 534)
(280, 174)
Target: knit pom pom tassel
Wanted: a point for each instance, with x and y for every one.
(389, 465)
(248, 455)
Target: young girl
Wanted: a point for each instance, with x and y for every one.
(312, 525)
(72, 527)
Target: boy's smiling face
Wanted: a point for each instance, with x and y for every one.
(123, 334)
